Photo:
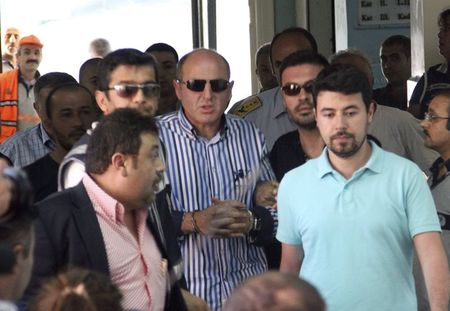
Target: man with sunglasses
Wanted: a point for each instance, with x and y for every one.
(126, 78)
(214, 162)
(297, 73)
(436, 126)
(266, 109)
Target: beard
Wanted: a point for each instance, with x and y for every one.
(345, 149)
(304, 121)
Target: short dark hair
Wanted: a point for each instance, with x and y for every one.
(403, 41)
(445, 92)
(62, 88)
(91, 61)
(131, 57)
(50, 80)
(119, 131)
(185, 57)
(263, 292)
(78, 289)
(162, 47)
(443, 16)
(301, 58)
(264, 49)
(294, 30)
(345, 79)
(16, 223)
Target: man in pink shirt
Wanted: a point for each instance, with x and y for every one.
(104, 222)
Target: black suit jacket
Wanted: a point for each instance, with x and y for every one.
(68, 234)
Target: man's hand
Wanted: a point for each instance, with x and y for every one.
(194, 303)
(266, 193)
(223, 219)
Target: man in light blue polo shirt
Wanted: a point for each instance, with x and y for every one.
(349, 220)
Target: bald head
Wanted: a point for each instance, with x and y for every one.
(197, 55)
(275, 291)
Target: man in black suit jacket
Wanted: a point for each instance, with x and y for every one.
(123, 164)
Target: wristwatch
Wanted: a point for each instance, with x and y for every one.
(255, 223)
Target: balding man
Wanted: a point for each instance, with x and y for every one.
(11, 42)
(214, 163)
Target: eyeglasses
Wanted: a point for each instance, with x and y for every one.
(217, 85)
(430, 117)
(129, 90)
(293, 89)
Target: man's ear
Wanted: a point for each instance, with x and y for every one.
(18, 251)
(48, 125)
(102, 101)
(177, 87)
(119, 163)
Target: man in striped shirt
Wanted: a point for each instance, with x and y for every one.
(214, 163)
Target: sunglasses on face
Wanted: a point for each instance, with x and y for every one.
(293, 89)
(217, 85)
(129, 90)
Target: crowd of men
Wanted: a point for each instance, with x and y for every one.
(161, 200)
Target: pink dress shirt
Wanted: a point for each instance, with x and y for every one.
(135, 266)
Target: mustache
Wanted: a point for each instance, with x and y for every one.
(342, 133)
(425, 132)
(32, 61)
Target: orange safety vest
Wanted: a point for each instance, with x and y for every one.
(9, 97)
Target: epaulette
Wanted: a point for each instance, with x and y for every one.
(246, 106)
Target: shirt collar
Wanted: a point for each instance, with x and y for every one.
(374, 163)
(22, 80)
(46, 139)
(189, 129)
(103, 203)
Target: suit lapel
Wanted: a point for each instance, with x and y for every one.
(89, 229)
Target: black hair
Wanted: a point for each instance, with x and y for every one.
(131, 57)
(119, 131)
(16, 225)
(91, 61)
(345, 79)
(443, 16)
(264, 49)
(65, 87)
(162, 47)
(50, 80)
(403, 41)
(301, 58)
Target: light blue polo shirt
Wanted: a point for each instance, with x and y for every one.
(357, 233)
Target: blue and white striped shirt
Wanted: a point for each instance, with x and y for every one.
(27, 146)
(226, 167)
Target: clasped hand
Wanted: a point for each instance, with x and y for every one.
(223, 219)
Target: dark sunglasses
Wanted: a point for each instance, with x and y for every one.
(217, 85)
(129, 90)
(293, 89)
